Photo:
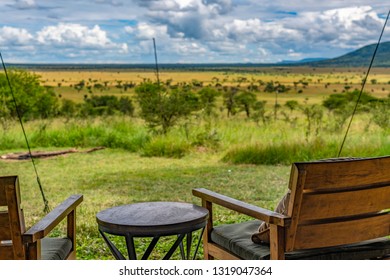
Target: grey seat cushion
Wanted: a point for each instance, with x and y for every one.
(55, 248)
(236, 238)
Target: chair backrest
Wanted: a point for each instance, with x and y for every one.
(11, 220)
(335, 202)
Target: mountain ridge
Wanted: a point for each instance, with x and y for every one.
(359, 58)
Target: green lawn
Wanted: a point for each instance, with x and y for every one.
(113, 177)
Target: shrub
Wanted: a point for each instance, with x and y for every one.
(33, 100)
(162, 108)
(107, 105)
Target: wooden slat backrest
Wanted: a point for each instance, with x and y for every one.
(10, 193)
(6, 252)
(340, 233)
(344, 173)
(5, 230)
(338, 202)
(347, 203)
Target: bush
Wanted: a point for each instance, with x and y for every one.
(107, 105)
(380, 114)
(162, 108)
(33, 100)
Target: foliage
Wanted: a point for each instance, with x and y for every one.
(342, 105)
(246, 101)
(292, 105)
(276, 87)
(32, 99)
(340, 101)
(68, 108)
(107, 105)
(314, 115)
(260, 112)
(162, 108)
(380, 113)
(335, 101)
(207, 99)
(229, 100)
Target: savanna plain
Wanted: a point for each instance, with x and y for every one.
(238, 135)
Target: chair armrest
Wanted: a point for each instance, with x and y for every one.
(242, 207)
(52, 219)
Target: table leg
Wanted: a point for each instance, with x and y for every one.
(174, 246)
(189, 243)
(130, 247)
(183, 256)
(118, 255)
(150, 248)
(179, 243)
(199, 240)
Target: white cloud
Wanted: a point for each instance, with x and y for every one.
(14, 36)
(254, 30)
(76, 36)
(189, 49)
(350, 27)
(145, 31)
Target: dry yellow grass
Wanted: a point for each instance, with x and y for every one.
(320, 81)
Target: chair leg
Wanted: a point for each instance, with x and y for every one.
(207, 256)
(277, 242)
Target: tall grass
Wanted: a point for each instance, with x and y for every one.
(281, 153)
(112, 132)
(286, 153)
(235, 140)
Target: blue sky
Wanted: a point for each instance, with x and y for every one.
(186, 31)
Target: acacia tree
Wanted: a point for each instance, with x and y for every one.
(162, 108)
(207, 98)
(246, 100)
(229, 100)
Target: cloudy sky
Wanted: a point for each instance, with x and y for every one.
(186, 31)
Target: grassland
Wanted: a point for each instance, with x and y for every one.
(141, 166)
(320, 81)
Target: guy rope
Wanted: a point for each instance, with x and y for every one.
(363, 84)
(45, 201)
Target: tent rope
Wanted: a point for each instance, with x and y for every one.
(363, 84)
(45, 201)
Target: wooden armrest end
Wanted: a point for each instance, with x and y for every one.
(52, 219)
(242, 207)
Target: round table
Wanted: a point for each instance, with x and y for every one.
(152, 219)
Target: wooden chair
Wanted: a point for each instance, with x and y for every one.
(18, 244)
(338, 209)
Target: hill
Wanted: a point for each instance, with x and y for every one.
(359, 58)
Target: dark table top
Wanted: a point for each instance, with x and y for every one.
(152, 218)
